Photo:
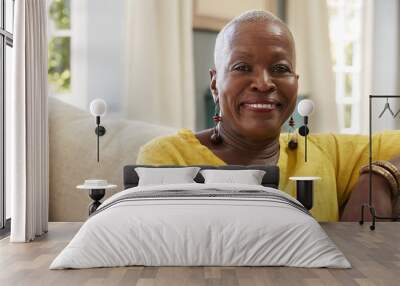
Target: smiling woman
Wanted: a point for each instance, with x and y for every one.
(254, 84)
(258, 68)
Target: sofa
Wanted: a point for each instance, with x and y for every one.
(73, 155)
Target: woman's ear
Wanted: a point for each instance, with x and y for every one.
(213, 83)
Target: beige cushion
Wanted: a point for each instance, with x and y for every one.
(73, 155)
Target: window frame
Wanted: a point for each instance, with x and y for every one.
(6, 39)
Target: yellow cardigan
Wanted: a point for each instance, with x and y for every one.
(335, 158)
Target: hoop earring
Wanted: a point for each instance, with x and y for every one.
(292, 143)
(215, 136)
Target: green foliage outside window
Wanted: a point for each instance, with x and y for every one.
(59, 12)
(59, 51)
(59, 64)
(347, 116)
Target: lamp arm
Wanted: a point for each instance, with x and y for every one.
(98, 137)
(305, 139)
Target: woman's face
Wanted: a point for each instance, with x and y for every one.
(255, 83)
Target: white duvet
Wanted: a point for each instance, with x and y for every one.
(183, 231)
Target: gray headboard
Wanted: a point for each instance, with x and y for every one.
(270, 179)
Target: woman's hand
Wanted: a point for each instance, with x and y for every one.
(381, 198)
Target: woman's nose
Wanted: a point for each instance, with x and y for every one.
(263, 82)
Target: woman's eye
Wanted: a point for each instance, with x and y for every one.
(242, 68)
(280, 69)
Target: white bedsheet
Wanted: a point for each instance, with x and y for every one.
(200, 231)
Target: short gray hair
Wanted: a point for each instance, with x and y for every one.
(251, 16)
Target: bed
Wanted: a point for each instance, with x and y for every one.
(201, 223)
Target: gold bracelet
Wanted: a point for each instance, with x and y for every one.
(392, 169)
(384, 173)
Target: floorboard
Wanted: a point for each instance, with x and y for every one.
(374, 255)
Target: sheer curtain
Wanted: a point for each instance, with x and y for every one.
(159, 80)
(27, 124)
(367, 61)
(309, 22)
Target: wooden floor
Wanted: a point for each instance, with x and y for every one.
(375, 257)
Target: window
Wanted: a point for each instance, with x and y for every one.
(59, 70)
(6, 44)
(67, 50)
(345, 36)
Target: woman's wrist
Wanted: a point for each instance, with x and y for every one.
(386, 170)
(381, 198)
(390, 171)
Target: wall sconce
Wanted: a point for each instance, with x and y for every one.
(98, 108)
(305, 108)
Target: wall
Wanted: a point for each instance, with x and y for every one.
(105, 46)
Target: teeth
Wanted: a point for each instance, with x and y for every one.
(269, 105)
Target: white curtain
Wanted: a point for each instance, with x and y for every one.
(309, 22)
(367, 63)
(159, 83)
(27, 124)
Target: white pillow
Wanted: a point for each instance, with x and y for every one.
(163, 176)
(248, 177)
